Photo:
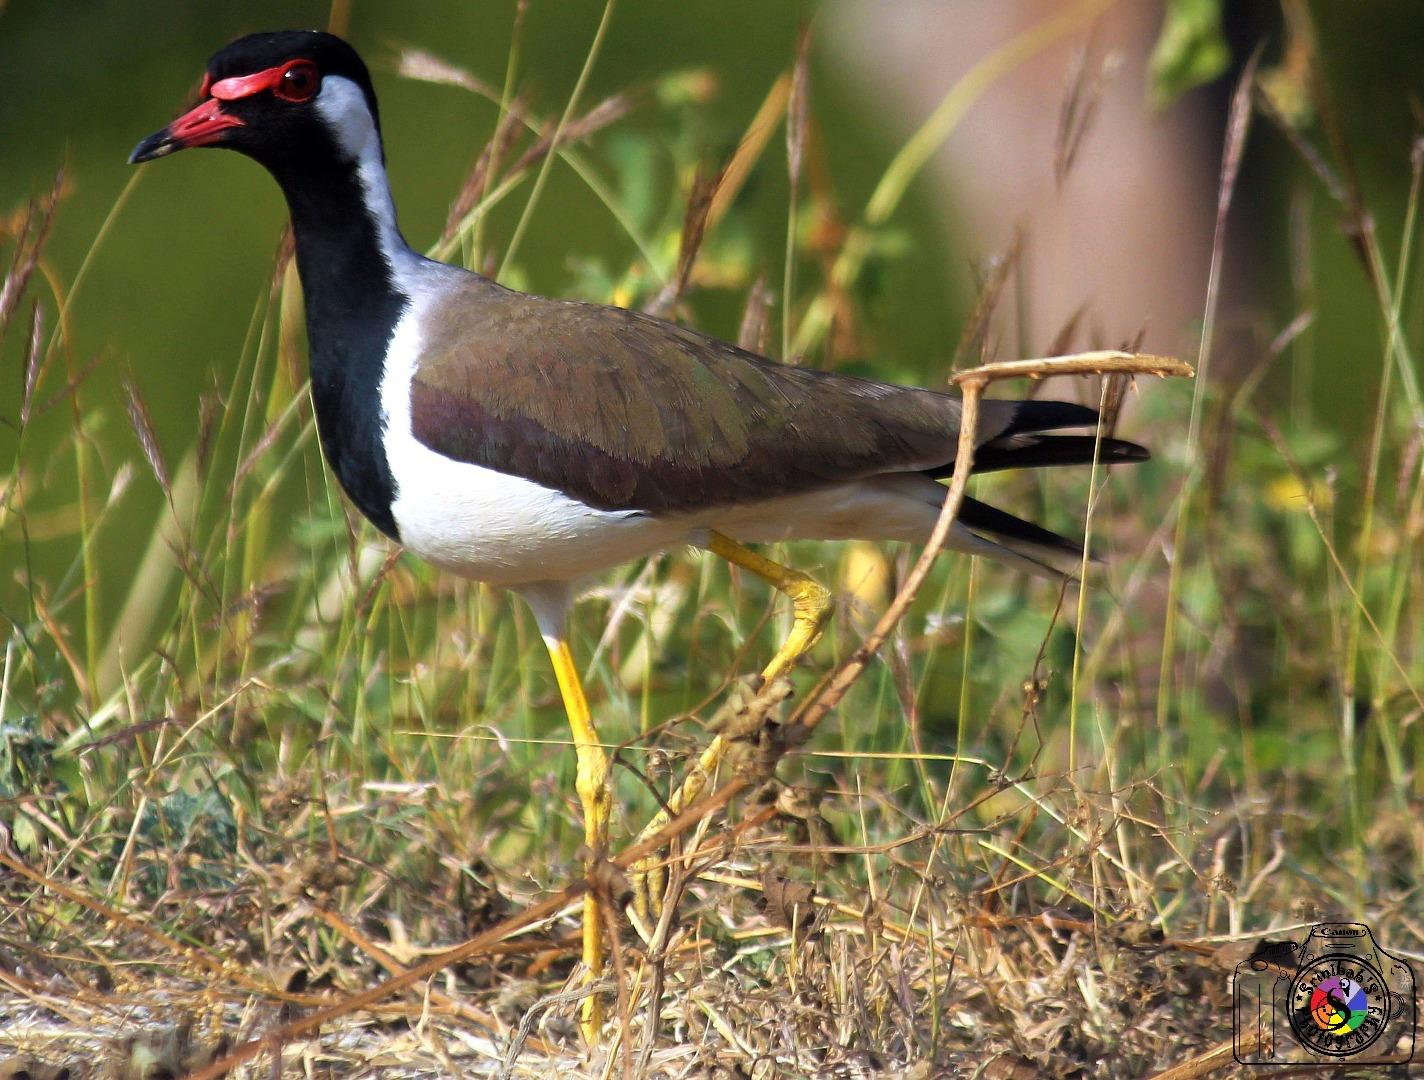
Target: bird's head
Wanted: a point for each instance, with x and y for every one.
(278, 97)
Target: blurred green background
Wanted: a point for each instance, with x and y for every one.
(170, 292)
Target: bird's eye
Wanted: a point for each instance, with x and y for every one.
(299, 81)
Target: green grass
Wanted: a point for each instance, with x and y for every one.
(1223, 737)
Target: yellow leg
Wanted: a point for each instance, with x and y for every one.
(811, 608)
(810, 600)
(592, 785)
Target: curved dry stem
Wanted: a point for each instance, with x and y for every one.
(829, 693)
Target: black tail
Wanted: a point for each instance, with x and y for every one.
(1018, 542)
(1021, 447)
(1040, 451)
(1033, 416)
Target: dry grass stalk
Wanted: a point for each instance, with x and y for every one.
(1088, 81)
(506, 134)
(829, 692)
(694, 229)
(29, 234)
(142, 421)
(974, 338)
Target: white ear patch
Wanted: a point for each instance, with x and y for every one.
(342, 107)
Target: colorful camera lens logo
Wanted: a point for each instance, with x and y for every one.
(1334, 996)
(1338, 1005)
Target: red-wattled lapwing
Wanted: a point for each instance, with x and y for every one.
(530, 442)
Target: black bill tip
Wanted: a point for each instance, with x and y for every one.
(155, 146)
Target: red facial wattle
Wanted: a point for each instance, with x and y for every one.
(295, 81)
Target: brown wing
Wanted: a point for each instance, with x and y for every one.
(627, 412)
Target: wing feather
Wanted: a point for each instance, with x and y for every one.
(626, 412)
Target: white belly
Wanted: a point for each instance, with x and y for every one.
(506, 530)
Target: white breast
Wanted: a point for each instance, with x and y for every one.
(489, 525)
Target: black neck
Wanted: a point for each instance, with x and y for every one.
(353, 306)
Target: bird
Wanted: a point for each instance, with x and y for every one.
(532, 443)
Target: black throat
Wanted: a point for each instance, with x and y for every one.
(352, 305)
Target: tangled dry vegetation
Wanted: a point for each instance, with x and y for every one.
(940, 962)
(328, 829)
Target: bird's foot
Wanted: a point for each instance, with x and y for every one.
(747, 737)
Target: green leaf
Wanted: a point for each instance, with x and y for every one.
(1190, 50)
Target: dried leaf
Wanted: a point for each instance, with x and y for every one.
(786, 902)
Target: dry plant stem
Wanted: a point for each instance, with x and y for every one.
(807, 717)
(1221, 1056)
(38, 995)
(387, 961)
(812, 604)
(221, 968)
(973, 382)
(1101, 362)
